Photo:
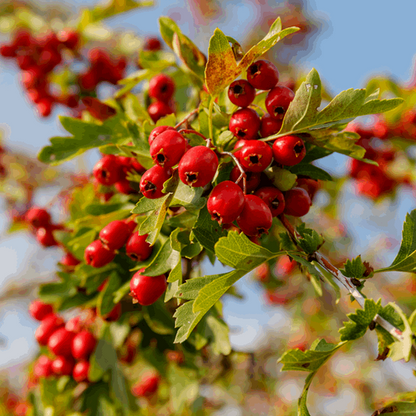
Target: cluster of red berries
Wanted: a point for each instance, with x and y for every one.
(3, 171)
(37, 57)
(14, 404)
(68, 343)
(113, 170)
(40, 221)
(161, 90)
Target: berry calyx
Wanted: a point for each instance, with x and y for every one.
(158, 130)
(147, 289)
(225, 202)
(96, 255)
(107, 171)
(255, 156)
(289, 150)
(83, 345)
(274, 199)
(63, 366)
(278, 100)
(38, 217)
(297, 202)
(252, 179)
(39, 310)
(198, 166)
(167, 148)
(60, 342)
(269, 125)
(114, 235)
(161, 87)
(245, 124)
(256, 217)
(151, 183)
(80, 371)
(262, 75)
(241, 93)
(137, 248)
(47, 327)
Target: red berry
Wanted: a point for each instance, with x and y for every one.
(241, 93)
(147, 386)
(107, 171)
(147, 289)
(284, 266)
(75, 324)
(25, 62)
(152, 44)
(44, 107)
(124, 187)
(273, 198)
(252, 179)
(309, 185)
(96, 255)
(131, 224)
(45, 237)
(97, 109)
(198, 166)
(48, 60)
(69, 38)
(47, 327)
(7, 51)
(114, 315)
(297, 202)
(43, 367)
(256, 217)
(158, 130)
(151, 183)
(289, 150)
(39, 310)
(89, 80)
(245, 124)
(80, 371)
(159, 109)
(278, 100)
(30, 77)
(225, 202)
(114, 235)
(48, 40)
(70, 101)
(137, 248)
(60, 342)
(167, 148)
(83, 344)
(262, 75)
(255, 156)
(269, 125)
(161, 87)
(69, 260)
(63, 366)
(38, 217)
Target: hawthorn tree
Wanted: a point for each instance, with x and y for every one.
(205, 157)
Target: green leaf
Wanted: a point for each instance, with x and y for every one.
(355, 268)
(184, 388)
(405, 260)
(166, 259)
(167, 29)
(402, 349)
(313, 273)
(105, 302)
(158, 318)
(302, 409)
(312, 171)
(309, 240)
(397, 409)
(281, 178)
(219, 333)
(188, 197)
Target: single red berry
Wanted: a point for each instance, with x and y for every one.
(198, 166)
(22, 39)
(147, 386)
(255, 156)
(43, 367)
(161, 87)
(131, 224)
(273, 198)
(289, 150)
(69, 37)
(69, 260)
(114, 315)
(262, 75)
(159, 109)
(45, 237)
(269, 125)
(124, 187)
(38, 217)
(151, 183)
(107, 171)
(25, 62)
(47, 327)
(297, 202)
(245, 124)
(158, 130)
(252, 179)
(48, 60)
(83, 344)
(241, 93)
(256, 217)
(96, 255)
(44, 106)
(147, 289)
(60, 342)
(98, 109)
(175, 357)
(137, 248)
(167, 148)
(63, 366)
(278, 100)
(238, 146)
(7, 51)
(80, 371)
(39, 310)
(309, 185)
(88, 80)
(36, 94)
(30, 77)
(152, 44)
(48, 40)
(225, 202)
(75, 324)
(285, 266)
(70, 101)
(114, 235)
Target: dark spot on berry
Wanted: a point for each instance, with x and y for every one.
(298, 148)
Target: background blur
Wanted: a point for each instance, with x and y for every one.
(349, 43)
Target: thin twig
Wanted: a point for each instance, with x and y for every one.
(243, 174)
(193, 112)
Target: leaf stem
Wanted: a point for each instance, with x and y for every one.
(243, 174)
(210, 108)
(193, 112)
